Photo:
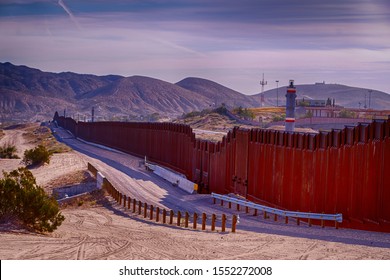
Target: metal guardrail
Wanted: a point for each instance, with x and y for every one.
(293, 214)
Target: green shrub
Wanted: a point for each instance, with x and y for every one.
(8, 151)
(37, 156)
(21, 198)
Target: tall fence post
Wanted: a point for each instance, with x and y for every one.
(134, 204)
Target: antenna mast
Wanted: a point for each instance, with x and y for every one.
(262, 83)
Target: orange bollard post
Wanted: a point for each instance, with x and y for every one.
(336, 224)
(171, 214)
(164, 216)
(322, 223)
(178, 218)
(265, 215)
(204, 217)
(213, 219)
(157, 214)
(186, 217)
(234, 223)
(223, 229)
(145, 209)
(195, 221)
(309, 221)
(151, 212)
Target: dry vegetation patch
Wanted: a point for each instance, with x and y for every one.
(41, 135)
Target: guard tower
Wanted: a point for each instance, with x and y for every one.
(290, 107)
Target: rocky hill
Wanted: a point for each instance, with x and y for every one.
(28, 94)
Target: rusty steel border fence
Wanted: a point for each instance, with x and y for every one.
(343, 171)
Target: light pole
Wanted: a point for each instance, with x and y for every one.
(369, 99)
(277, 93)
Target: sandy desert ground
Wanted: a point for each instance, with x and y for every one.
(105, 230)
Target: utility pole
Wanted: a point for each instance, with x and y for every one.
(369, 99)
(365, 100)
(277, 93)
(262, 83)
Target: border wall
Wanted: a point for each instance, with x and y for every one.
(341, 171)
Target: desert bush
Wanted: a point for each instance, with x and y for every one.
(8, 151)
(37, 156)
(279, 118)
(21, 198)
(347, 114)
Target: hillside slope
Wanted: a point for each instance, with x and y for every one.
(344, 95)
(217, 93)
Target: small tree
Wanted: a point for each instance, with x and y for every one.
(21, 198)
(37, 156)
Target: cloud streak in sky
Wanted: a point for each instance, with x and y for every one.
(232, 42)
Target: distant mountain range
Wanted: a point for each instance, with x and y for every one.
(28, 94)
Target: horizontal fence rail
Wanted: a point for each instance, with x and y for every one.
(168, 217)
(291, 214)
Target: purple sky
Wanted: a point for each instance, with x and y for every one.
(230, 42)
